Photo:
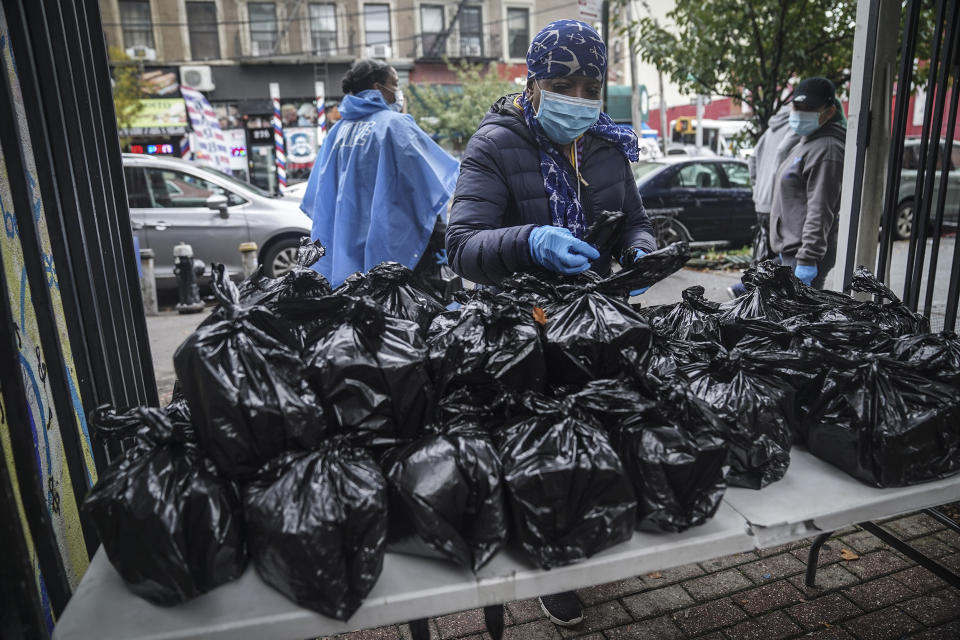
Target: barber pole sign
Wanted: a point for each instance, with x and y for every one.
(278, 135)
(321, 113)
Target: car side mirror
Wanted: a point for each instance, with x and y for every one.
(218, 202)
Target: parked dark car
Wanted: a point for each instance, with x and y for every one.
(699, 199)
(908, 187)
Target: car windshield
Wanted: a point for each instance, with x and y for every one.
(641, 169)
(239, 183)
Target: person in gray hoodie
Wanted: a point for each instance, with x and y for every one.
(806, 193)
(772, 147)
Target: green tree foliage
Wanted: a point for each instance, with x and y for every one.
(452, 112)
(748, 50)
(126, 89)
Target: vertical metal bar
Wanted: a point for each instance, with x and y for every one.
(921, 205)
(951, 42)
(895, 162)
(864, 91)
(137, 323)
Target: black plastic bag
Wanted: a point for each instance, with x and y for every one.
(590, 335)
(170, 524)
(647, 270)
(885, 423)
(566, 487)
(433, 270)
(245, 383)
(605, 231)
(937, 355)
(299, 282)
(318, 527)
(758, 406)
(485, 343)
(368, 368)
(669, 354)
(696, 318)
(893, 316)
(675, 453)
(446, 497)
(394, 287)
(844, 337)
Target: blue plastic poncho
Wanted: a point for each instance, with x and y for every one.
(376, 189)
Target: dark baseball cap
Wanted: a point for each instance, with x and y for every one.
(813, 93)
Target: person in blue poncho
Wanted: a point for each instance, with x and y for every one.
(539, 169)
(542, 165)
(379, 182)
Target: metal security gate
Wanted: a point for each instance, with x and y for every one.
(890, 37)
(74, 334)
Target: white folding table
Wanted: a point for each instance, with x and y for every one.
(811, 499)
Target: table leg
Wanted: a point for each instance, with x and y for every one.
(943, 518)
(813, 558)
(930, 564)
(420, 629)
(493, 616)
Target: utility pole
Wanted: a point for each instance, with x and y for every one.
(635, 116)
(605, 36)
(664, 134)
(699, 132)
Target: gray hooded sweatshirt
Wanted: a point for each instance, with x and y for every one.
(806, 196)
(772, 147)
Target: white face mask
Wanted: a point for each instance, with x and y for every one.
(397, 104)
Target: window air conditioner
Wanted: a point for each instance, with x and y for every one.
(197, 77)
(379, 51)
(142, 53)
(472, 50)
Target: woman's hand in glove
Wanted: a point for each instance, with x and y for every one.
(637, 254)
(558, 250)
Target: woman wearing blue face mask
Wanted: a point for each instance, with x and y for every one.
(379, 184)
(806, 192)
(542, 165)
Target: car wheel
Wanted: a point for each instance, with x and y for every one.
(280, 257)
(903, 220)
(669, 230)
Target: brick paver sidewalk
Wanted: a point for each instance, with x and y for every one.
(866, 591)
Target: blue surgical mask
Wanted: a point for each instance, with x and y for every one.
(564, 118)
(804, 122)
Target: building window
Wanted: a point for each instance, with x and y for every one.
(204, 37)
(471, 32)
(431, 27)
(263, 27)
(376, 24)
(323, 28)
(518, 32)
(137, 27)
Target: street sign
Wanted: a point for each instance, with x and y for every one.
(644, 103)
(589, 10)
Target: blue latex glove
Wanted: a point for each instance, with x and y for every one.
(558, 250)
(637, 253)
(805, 274)
(441, 257)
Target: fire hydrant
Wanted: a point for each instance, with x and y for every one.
(185, 268)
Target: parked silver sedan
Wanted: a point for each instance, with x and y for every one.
(174, 201)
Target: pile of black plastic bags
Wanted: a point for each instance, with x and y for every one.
(312, 430)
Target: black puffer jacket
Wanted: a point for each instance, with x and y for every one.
(500, 198)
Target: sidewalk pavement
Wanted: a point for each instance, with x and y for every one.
(879, 595)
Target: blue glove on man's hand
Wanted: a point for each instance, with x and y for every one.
(805, 274)
(558, 250)
(441, 257)
(637, 253)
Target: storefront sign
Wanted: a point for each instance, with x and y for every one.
(158, 117)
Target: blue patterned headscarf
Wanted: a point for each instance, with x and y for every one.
(569, 48)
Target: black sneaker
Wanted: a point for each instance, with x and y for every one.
(563, 609)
